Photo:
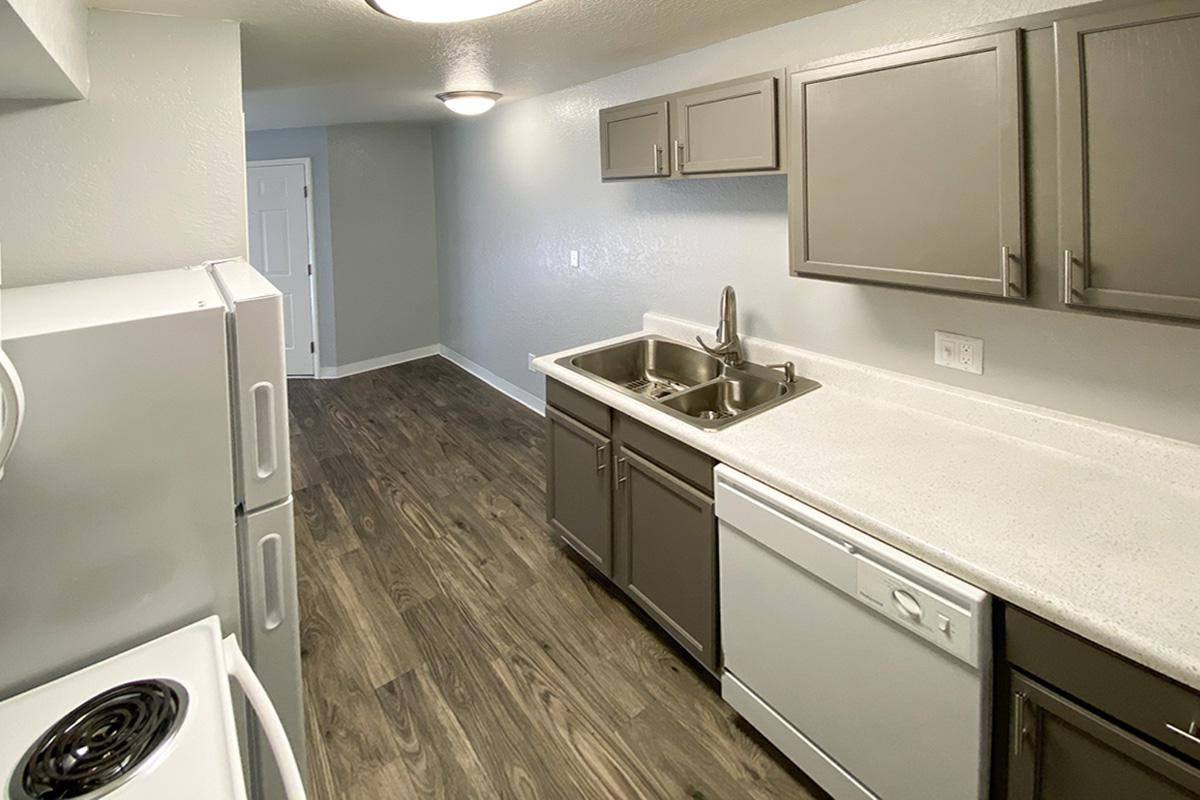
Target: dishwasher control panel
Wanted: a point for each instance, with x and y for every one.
(910, 605)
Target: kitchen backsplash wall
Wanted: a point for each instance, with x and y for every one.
(146, 173)
(519, 189)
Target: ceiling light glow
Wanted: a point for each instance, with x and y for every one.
(445, 10)
(469, 103)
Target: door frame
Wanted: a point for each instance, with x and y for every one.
(305, 162)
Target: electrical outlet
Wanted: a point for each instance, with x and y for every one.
(575, 258)
(955, 351)
(531, 358)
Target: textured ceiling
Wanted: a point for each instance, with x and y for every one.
(318, 62)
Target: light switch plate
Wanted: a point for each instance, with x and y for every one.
(531, 358)
(574, 258)
(955, 351)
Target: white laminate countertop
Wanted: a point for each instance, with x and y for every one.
(1091, 526)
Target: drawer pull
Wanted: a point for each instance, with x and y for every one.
(1192, 734)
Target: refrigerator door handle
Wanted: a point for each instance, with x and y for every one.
(241, 671)
(270, 561)
(12, 394)
(266, 454)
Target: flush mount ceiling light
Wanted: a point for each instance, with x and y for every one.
(446, 10)
(469, 103)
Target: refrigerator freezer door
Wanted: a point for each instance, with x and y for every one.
(260, 383)
(116, 507)
(271, 629)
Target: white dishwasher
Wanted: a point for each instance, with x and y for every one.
(868, 668)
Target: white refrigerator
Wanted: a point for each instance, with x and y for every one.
(149, 486)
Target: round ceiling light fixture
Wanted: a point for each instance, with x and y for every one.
(446, 10)
(469, 103)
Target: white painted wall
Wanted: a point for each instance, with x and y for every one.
(147, 173)
(43, 49)
(384, 240)
(518, 188)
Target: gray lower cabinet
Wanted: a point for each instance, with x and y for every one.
(667, 531)
(731, 127)
(579, 487)
(1075, 721)
(638, 505)
(1064, 751)
(906, 168)
(1129, 159)
(633, 141)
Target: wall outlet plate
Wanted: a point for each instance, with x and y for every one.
(574, 258)
(955, 351)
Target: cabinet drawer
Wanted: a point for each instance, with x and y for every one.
(668, 453)
(1139, 698)
(578, 405)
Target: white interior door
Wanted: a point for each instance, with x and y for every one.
(280, 239)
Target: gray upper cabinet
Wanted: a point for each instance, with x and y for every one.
(633, 141)
(1129, 159)
(906, 168)
(729, 128)
(579, 487)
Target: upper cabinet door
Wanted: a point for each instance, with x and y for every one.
(906, 168)
(727, 129)
(1129, 159)
(633, 141)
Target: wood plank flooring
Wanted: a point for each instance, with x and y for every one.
(451, 648)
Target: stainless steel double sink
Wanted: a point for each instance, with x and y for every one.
(687, 383)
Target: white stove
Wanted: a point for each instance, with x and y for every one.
(153, 722)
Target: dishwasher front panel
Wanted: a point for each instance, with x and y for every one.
(857, 687)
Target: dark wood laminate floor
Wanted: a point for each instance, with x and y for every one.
(452, 648)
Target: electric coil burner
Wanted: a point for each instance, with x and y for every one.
(102, 743)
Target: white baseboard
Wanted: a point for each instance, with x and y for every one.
(379, 363)
(530, 401)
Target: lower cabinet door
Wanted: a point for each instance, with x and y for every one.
(579, 488)
(1059, 750)
(668, 530)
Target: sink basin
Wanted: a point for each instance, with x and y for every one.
(654, 368)
(686, 382)
(729, 397)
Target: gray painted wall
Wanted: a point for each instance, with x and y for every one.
(309, 143)
(384, 239)
(147, 173)
(518, 188)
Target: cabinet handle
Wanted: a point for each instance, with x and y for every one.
(601, 457)
(1192, 734)
(1005, 279)
(657, 160)
(678, 157)
(1068, 277)
(1019, 730)
(622, 471)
